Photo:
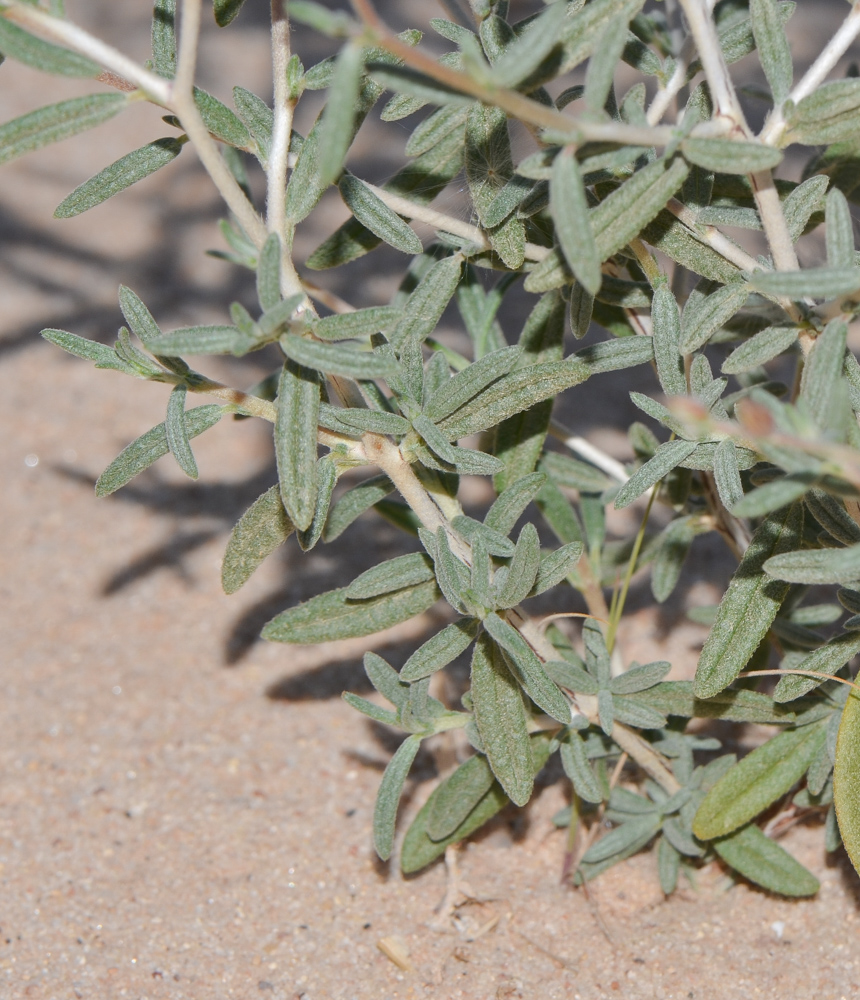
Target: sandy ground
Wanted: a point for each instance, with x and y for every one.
(185, 811)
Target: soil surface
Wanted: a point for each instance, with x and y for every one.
(185, 810)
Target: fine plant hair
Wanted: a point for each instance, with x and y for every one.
(614, 219)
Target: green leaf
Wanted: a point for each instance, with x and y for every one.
(373, 213)
(405, 80)
(510, 504)
(666, 321)
(624, 840)
(201, 340)
(332, 616)
(334, 23)
(818, 282)
(827, 659)
(817, 566)
(772, 46)
(55, 122)
(673, 238)
(164, 38)
(613, 355)
(569, 210)
(15, 43)
(524, 55)
(119, 175)
(640, 678)
(260, 530)
(705, 315)
(759, 349)
(226, 10)
(728, 477)
(668, 866)
(846, 794)
(177, 433)
(601, 67)
(354, 503)
(259, 119)
(622, 216)
(501, 719)
(356, 420)
(427, 303)
(385, 679)
(523, 568)
(556, 566)
(360, 323)
(577, 767)
(581, 32)
(337, 359)
(326, 474)
(149, 447)
(833, 517)
(512, 394)
(749, 605)
(822, 374)
(756, 781)
(440, 650)
(755, 856)
(296, 442)
(388, 796)
(829, 114)
(802, 203)
(223, 123)
(391, 575)
(839, 230)
(576, 475)
(373, 711)
(339, 116)
(666, 458)
(729, 156)
(495, 543)
(457, 391)
(269, 273)
(434, 129)
(458, 796)
(677, 698)
(775, 494)
(90, 350)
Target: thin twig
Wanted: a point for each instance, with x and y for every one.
(189, 39)
(588, 451)
(704, 32)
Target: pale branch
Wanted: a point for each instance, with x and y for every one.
(773, 221)
(189, 39)
(72, 37)
(588, 451)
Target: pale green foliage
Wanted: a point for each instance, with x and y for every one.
(769, 461)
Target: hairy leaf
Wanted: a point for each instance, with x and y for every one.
(260, 530)
(765, 863)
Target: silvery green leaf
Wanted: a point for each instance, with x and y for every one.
(623, 840)
(226, 10)
(459, 795)
(666, 458)
(296, 441)
(501, 718)
(391, 575)
(826, 660)
(405, 80)
(572, 676)
(373, 711)
(840, 230)
(829, 114)
(749, 605)
(675, 833)
(758, 858)
(338, 120)
(816, 566)
(360, 323)
(223, 123)
(259, 531)
(729, 156)
(705, 315)
(438, 651)
(336, 359)
(524, 55)
(201, 340)
(622, 215)
(657, 411)
(819, 282)
(451, 574)
(569, 210)
(495, 542)
(556, 566)
(822, 374)
(140, 454)
(596, 654)
(363, 421)
(388, 796)
(472, 380)
(632, 712)
(578, 768)
(386, 680)
(435, 440)
(728, 477)
(671, 553)
(613, 355)
(772, 45)
(469, 462)
(668, 866)
(757, 781)
(523, 568)
(833, 517)
(373, 213)
(528, 669)
(759, 349)
(601, 66)
(844, 779)
(354, 503)
(696, 195)
(269, 273)
(427, 303)
(177, 432)
(640, 678)
(91, 350)
(673, 238)
(627, 294)
(55, 122)
(581, 32)
(775, 494)
(138, 317)
(277, 318)
(512, 394)
(434, 128)
(327, 473)
(736, 36)
(119, 175)
(332, 616)
(15, 43)
(558, 513)
(800, 204)
(164, 37)
(577, 475)
(259, 119)
(510, 504)
(666, 322)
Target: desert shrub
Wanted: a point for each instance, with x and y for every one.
(613, 221)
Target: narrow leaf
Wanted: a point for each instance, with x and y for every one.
(577, 767)
(427, 303)
(846, 793)
(760, 349)
(458, 796)
(817, 566)
(360, 323)
(666, 458)
(15, 43)
(705, 315)
(523, 568)
(827, 659)
(354, 503)
(269, 273)
(510, 504)
(261, 529)
(728, 477)
(388, 796)
(177, 433)
(373, 213)
(91, 350)
(666, 321)
(296, 442)
(336, 359)
(765, 863)
(391, 575)
(466, 384)
(164, 38)
(339, 116)
(438, 651)
(839, 229)
(556, 567)
(569, 210)
(818, 282)
(728, 156)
